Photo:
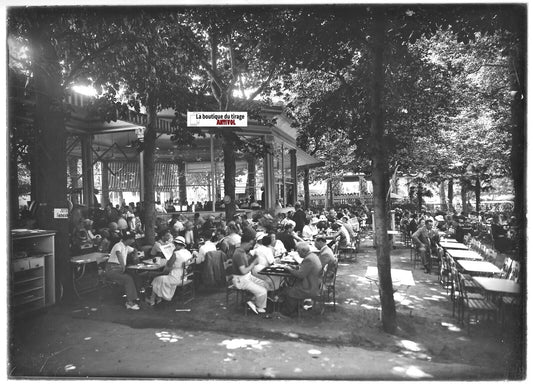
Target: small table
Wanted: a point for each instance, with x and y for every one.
(481, 268)
(498, 285)
(453, 245)
(399, 278)
(146, 266)
(464, 254)
(280, 271)
(85, 271)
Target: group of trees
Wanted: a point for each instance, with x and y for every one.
(371, 88)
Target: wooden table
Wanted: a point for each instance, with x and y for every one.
(498, 285)
(453, 245)
(464, 254)
(481, 268)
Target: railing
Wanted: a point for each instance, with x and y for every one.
(339, 200)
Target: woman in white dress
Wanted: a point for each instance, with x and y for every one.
(164, 286)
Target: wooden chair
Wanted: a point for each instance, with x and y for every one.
(445, 273)
(240, 295)
(471, 304)
(505, 271)
(327, 285)
(515, 272)
(185, 289)
(348, 252)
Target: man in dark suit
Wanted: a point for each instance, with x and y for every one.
(299, 218)
(307, 279)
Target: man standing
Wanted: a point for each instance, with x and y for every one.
(307, 282)
(299, 218)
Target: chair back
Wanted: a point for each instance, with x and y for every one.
(506, 268)
(188, 272)
(515, 271)
(491, 255)
(228, 267)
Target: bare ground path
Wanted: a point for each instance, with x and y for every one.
(97, 337)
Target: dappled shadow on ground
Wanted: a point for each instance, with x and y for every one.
(426, 328)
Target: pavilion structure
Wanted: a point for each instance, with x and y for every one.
(112, 144)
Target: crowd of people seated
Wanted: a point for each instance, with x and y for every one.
(499, 228)
(251, 243)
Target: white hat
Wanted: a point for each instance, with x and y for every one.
(439, 218)
(314, 220)
(180, 240)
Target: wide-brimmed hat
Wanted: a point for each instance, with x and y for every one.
(323, 217)
(439, 218)
(180, 240)
(314, 220)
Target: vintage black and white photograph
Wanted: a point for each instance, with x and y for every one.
(294, 191)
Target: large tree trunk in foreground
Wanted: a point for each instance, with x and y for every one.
(380, 178)
(149, 170)
(49, 172)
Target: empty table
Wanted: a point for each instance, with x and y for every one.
(498, 285)
(399, 277)
(482, 268)
(453, 245)
(464, 254)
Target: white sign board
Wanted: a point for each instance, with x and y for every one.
(217, 119)
(60, 213)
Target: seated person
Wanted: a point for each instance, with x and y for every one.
(188, 235)
(325, 253)
(116, 268)
(164, 286)
(340, 234)
(210, 244)
(307, 280)
(114, 233)
(242, 274)
(104, 245)
(163, 247)
(265, 257)
(422, 239)
(310, 230)
(277, 246)
(288, 236)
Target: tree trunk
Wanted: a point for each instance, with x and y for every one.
(450, 195)
(49, 177)
(442, 196)
(307, 198)
(419, 198)
(149, 170)
(229, 167)
(464, 190)
(250, 183)
(478, 194)
(13, 187)
(518, 161)
(380, 178)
